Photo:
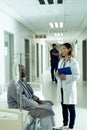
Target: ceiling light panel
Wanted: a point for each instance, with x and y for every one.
(56, 24)
(55, 34)
(61, 34)
(58, 34)
(51, 25)
(61, 24)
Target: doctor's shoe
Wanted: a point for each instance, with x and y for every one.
(69, 129)
(63, 127)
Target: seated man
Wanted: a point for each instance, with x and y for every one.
(36, 107)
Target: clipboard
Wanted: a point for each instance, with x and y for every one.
(65, 70)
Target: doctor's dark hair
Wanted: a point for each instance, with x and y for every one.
(68, 46)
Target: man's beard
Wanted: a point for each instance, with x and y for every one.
(22, 75)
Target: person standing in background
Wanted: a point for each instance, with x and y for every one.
(54, 59)
(67, 90)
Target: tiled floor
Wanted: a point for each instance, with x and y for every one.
(50, 92)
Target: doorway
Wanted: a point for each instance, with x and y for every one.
(84, 46)
(37, 55)
(41, 58)
(27, 59)
(9, 53)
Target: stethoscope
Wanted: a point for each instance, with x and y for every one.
(63, 63)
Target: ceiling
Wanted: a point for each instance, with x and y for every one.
(73, 13)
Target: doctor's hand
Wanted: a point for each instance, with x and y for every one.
(62, 76)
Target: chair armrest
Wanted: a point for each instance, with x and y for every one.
(11, 119)
(13, 111)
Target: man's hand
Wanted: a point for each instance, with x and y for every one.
(55, 54)
(39, 101)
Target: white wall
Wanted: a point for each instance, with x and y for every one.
(80, 38)
(79, 56)
(79, 52)
(20, 32)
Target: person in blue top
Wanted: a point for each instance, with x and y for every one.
(54, 59)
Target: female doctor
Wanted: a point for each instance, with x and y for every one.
(67, 86)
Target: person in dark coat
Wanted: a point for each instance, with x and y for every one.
(54, 59)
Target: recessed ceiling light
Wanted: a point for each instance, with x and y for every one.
(51, 25)
(61, 34)
(61, 24)
(56, 24)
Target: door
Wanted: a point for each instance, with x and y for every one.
(27, 61)
(37, 54)
(41, 58)
(84, 60)
(9, 53)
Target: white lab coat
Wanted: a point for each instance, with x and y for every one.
(69, 83)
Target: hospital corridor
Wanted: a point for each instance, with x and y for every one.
(37, 39)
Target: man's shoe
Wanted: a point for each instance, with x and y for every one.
(55, 81)
(61, 128)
